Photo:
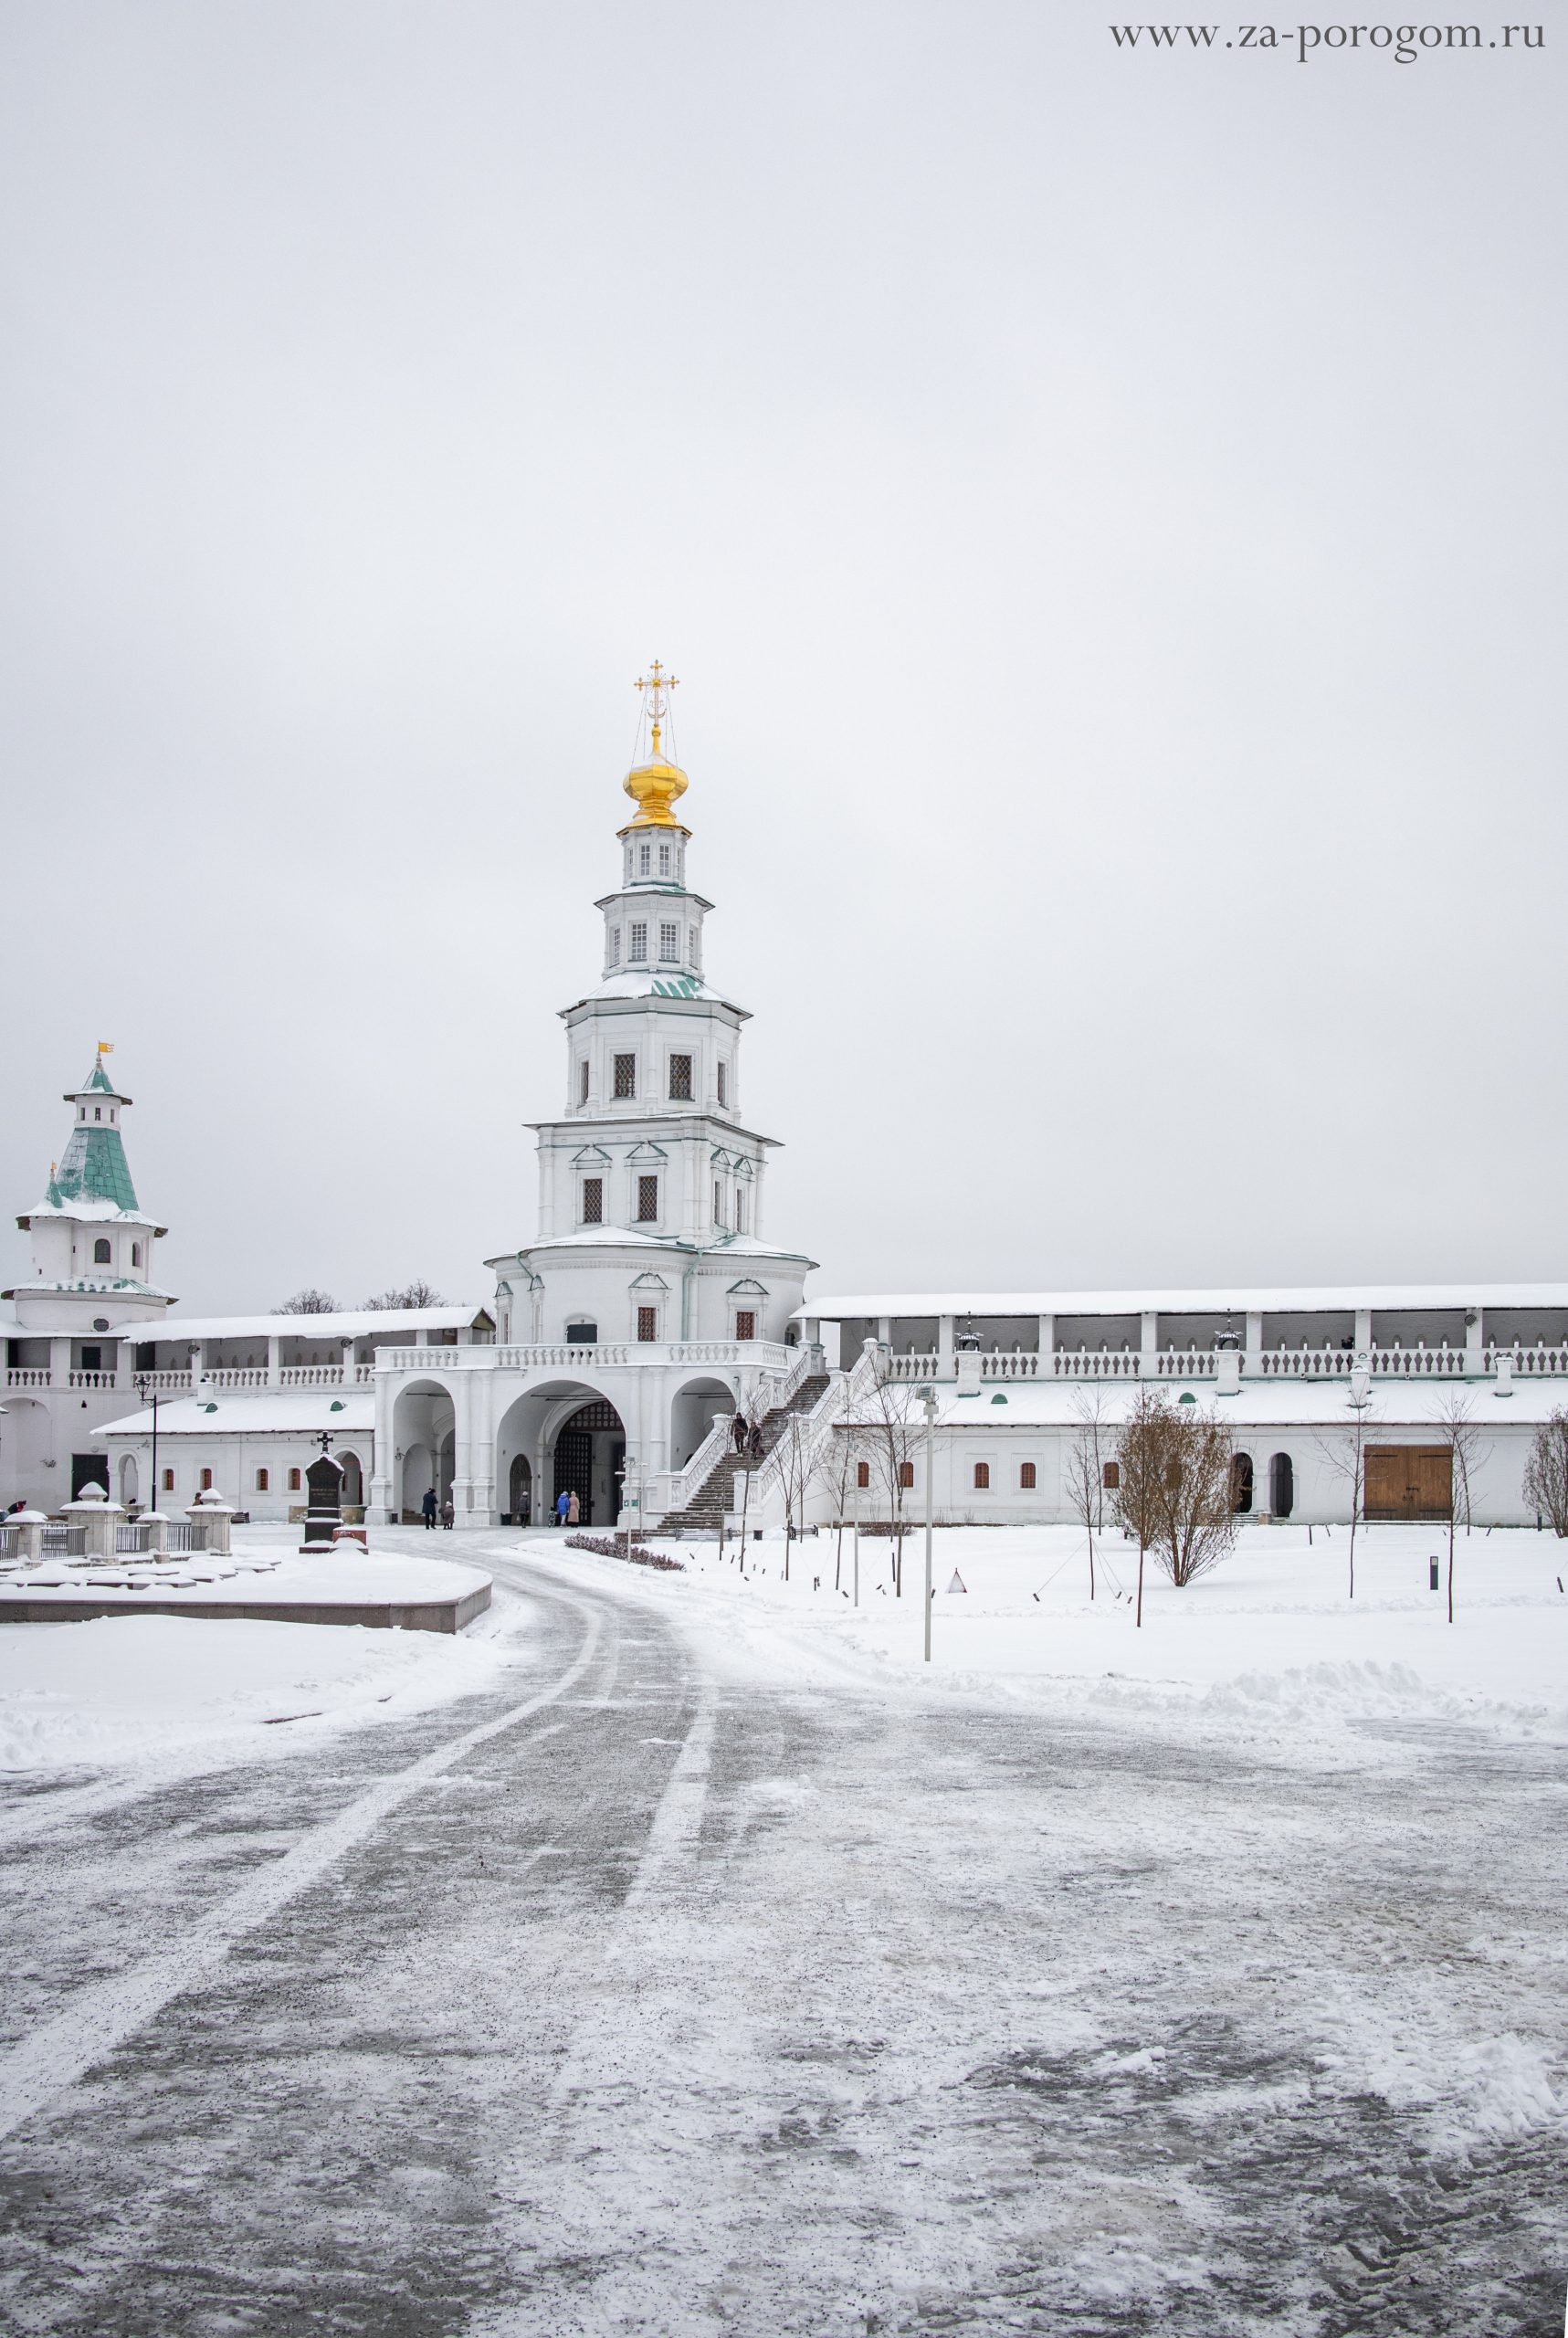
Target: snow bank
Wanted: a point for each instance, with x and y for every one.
(1268, 1643)
(126, 1687)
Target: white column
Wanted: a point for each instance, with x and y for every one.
(1474, 1348)
(384, 1458)
(482, 1506)
(1253, 1346)
(1362, 1330)
(945, 1366)
(1047, 1334)
(275, 1360)
(348, 1362)
(1148, 1343)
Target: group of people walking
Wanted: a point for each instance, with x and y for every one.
(568, 1509)
(430, 1510)
(748, 1437)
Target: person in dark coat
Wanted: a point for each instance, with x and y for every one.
(429, 1507)
(756, 1441)
(739, 1432)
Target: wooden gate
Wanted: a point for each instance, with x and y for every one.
(1409, 1482)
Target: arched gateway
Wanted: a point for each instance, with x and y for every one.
(651, 1303)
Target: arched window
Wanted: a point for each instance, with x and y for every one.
(906, 1473)
(981, 1477)
(206, 1482)
(862, 1473)
(1110, 1476)
(102, 1253)
(136, 1254)
(293, 1481)
(168, 1482)
(1026, 1477)
(1281, 1486)
(1241, 1483)
(261, 1482)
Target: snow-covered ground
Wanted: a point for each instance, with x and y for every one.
(1270, 1642)
(266, 1562)
(717, 1971)
(202, 1692)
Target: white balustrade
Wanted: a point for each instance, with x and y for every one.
(161, 1384)
(27, 1375)
(1539, 1363)
(1091, 1363)
(90, 1379)
(554, 1356)
(1186, 1363)
(305, 1376)
(235, 1376)
(911, 1367)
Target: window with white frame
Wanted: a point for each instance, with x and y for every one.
(625, 1076)
(645, 859)
(741, 1211)
(723, 1079)
(614, 946)
(647, 1322)
(680, 1080)
(664, 860)
(593, 1211)
(582, 1081)
(1026, 1476)
(981, 1477)
(636, 948)
(648, 1201)
(745, 1322)
(694, 946)
(718, 1201)
(670, 944)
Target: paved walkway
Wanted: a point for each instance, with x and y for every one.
(634, 1998)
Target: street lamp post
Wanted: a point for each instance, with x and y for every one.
(152, 1400)
(928, 1398)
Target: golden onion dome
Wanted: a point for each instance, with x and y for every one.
(653, 788)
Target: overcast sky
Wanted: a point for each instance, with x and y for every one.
(1105, 510)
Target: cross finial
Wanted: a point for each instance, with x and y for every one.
(656, 686)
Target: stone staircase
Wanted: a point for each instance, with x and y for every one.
(714, 1498)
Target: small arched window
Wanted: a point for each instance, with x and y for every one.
(1110, 1476)
(906, 1473)
(293, 1481)
(206, 1482)
(981, 1476)
(168, 1482)
(1281, 1485)
(862, 1473)
(1026, 1477)
(136, 1254)
(261, 1482)
(102, 1253)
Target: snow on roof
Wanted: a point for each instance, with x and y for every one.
(120, 1287)
(1260, 1403)
(248, 1412)
(350, 1324)
(94, 1208)
(1226, 1299)
(594, 1238)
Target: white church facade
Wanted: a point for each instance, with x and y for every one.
(653, 1303)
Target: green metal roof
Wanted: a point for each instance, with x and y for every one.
(94, 1169)
(98, 1078)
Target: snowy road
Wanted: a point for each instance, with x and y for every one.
(646, 1994)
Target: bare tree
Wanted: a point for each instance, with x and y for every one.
(1141, 1459)
(831, 1468)
(794, 1478)
(309, 1301)
(417, 1293)
(1092, 1441)
(889, 1436)
(1344, 1454)
(1546, 1472)
(1195, 1498)
(1466, 1447)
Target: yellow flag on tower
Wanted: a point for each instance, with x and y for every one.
(106, 1046)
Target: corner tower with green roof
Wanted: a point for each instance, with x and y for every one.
(92, 1243)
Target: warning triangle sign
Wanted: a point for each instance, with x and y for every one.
(958, 1584)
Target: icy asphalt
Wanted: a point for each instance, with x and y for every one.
(648, 1993)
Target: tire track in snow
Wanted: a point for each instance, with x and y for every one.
(60, 2051)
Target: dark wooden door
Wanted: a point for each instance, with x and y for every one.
(1409, 1482)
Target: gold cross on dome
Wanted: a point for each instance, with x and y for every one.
(656, 686)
